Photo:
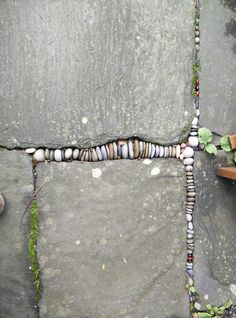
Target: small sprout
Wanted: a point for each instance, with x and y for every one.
(205, 135)
(211, 149)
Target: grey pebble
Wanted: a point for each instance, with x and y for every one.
(104, 152)
(47, 154)
(115, 150)
(99, 153)
(68, 153)
(153, 151)
(130, 149)
(156, 151)
(124, 151)
(39, 155)
(51, 155)
(94, 155)
(161, 152)
(75, 154)
(190, 226)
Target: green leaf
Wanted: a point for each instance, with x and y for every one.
(228, 304)
(192, 289)
(209, 306)
(203, 315)
(225, 145)
(211, 149)
(205, 135)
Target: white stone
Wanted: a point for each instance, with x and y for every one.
(147, 162)
(188, 161)
(188, 152)
(39, 155)
(84, 120)
(75, 154)
(68, 153)
(96, 173)
(189, 217)
(195, 121)
(177, 151)
(197, 39)
(30, 150)
(190, 225)
(233, 289)
(155, 171)
(57, 155)
(197, 112)
(189, 168)
(193, 141)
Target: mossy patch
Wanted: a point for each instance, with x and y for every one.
(32, 250)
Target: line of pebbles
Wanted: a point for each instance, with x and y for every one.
(120, 149)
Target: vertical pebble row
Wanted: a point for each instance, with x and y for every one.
(121, 149)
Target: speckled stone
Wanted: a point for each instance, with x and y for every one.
(39, 155)
(130, 149)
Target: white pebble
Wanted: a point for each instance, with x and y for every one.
(197, 112)
(147, 162)
(39, 155)
(30, 150)
(188, 152)
(155, 171)
(188, 161)
(57, 155)
(194, 121)
(96, 173)
(75, 154)
(68, 153)
(193, 141)
(189, 168)
(84, 120)
(189, 217)
(197, 39)
(177, 151)
(190, 225)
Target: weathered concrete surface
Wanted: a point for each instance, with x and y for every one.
(218, 64)
(112, 246)
(16, 286)
(84, 72)
(215, 225)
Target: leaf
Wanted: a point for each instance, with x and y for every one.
(211, 149)
(209, 306)
(225, 145)
(205, 135)
(203, 315)
(228, 304)
(192, 289)
(197, 306)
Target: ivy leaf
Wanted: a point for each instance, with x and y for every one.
(225, 145)
(203, 315)
(205, 135)
(211, 149)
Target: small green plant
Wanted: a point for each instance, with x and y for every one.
(213, 311)
(205, 138)
(32, 250)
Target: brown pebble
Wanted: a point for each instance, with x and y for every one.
(111, 151)
(136, 149)
(146, 150)
(2, 203)
(173, 153)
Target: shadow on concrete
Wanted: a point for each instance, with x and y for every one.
(231, 25)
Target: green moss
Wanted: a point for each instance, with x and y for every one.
(32, 250)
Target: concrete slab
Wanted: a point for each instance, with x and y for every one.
(86, 72)
(218, 64)
(16, 286)
(112, 239)
(215, 226)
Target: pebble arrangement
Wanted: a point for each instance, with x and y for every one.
(138, 149)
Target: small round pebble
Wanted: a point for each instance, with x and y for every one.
(39, 155)
(189, 217)
(189, 168)
(183, 145)
(51, 156)
(195, 121)
(197, 47)
(197, 39)
(193, 141)
(68, 153)
(188, 152)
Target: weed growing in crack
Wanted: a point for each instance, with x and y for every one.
(32, 250)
